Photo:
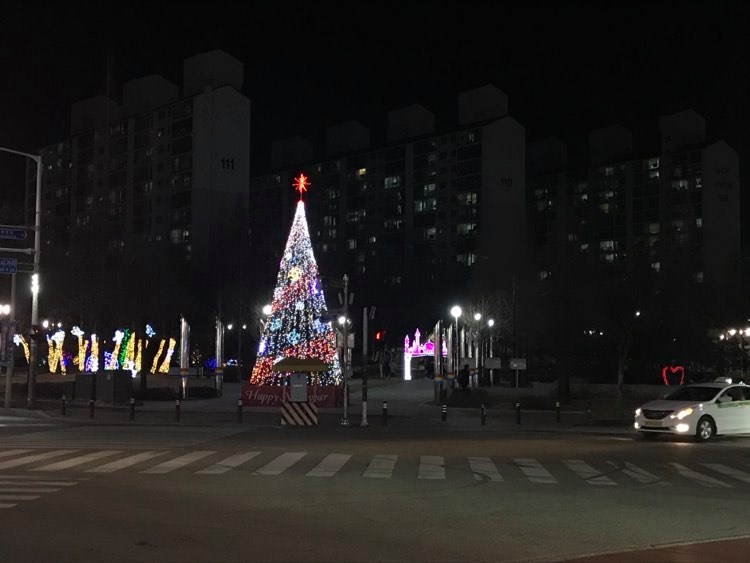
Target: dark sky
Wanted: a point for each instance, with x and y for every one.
(566, 66)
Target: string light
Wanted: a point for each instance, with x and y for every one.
(92, 363)
(19, 340)
(156, 358)
(293, 329)
(164, 368)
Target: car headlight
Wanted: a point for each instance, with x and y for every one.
(682, 414)
(637, 412)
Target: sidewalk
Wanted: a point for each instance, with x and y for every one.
(408, 405)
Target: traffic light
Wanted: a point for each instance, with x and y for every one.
(378, 335)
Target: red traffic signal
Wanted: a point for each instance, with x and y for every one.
(378, 335)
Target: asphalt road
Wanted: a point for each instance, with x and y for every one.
(149, 493)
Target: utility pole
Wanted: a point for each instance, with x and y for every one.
(345, 353)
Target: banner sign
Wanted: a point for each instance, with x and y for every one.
(272, 395)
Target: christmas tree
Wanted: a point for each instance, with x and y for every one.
(294, 328)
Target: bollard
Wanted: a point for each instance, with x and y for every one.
(177, 410)
(588, 410)
(445, 413)
(484, 415)
(518, 413)
(91, 408)
(64, 405)
(239, 411)
(557, 411)
(385, 413)
(132, 409)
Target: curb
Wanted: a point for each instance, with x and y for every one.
(24, 413)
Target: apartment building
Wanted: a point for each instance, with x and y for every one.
(411, 221)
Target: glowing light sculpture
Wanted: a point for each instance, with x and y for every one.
(92, 363)
(417, 350)
(156, 358)
(293, 328)
(164, 368)
(19, 340)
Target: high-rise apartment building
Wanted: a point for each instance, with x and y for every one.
(165, 172)
(411, 221)
(671, 212)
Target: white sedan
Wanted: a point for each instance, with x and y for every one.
(701, 410)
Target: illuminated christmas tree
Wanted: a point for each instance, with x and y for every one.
(294, 328)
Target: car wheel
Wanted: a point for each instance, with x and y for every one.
(648, 435)
(705, 429)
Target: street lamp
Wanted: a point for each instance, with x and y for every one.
(267, 310)
(477, 317)
(455, 313)
(31, 396)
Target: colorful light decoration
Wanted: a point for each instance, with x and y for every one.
(139, 355)
(300, 184)
(293, 329)
(19, 340)
(164, 368)
(83, 345)
(150, 332)
(55, 351)
(156, 358)
(672, 369)
(417, 350)
(110, 361)
(92, 362)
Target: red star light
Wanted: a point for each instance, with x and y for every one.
(301, 183)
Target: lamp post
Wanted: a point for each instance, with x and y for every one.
(490, 324)
(31, 397)
(455, 313)
(10, 311)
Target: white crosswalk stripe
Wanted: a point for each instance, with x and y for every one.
(19, 488)
(9, 453)
(79, 460)
(484, 469)
(281, 463)
(431, 467)
(229, 463)
(178, 462)
(704, 480)
(329, 466)
(25, 460)
(588, 473)
(381, 467)
(119, 464)
(729, 471)
(638, 474)
(120, 437)
(534, 471)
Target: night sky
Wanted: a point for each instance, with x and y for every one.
(566, 66)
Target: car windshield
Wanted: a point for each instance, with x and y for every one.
(693, 394)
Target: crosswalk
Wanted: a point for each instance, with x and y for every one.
(15, 489)
(119, 437)
(45, 465)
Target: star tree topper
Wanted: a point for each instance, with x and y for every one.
(300, 184)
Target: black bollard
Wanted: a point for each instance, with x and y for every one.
(518, 413)
(445, 413)
(91, 408)
(484, 415)
(385, 413)
(239, 411)
(177, 410)
(557, 411)
(64, 405)
(132, 409)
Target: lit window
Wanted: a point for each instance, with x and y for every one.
(610, 257)
(351, 243)
(656, 266)
(608, 171)
(653, 228)
(466, 228)
(429, 189)
(699, 277)
(372, 240)
(652, 163)
(607, 245)
(429, 233)
(584, 246)
(699, 222)
(392, 182)
(544, 274)
(604, 207)
(361, 173)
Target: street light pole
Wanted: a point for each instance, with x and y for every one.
(31, 396)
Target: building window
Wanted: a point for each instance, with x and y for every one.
(361, 173)
(429, 189)
(372, 240)
(392, 182)
(653, 228)
(584, 246)
(607, 245)
(699, 222)
(466, 259)
(699, 277)
(544, 274)
(429, 233)
(466, 228)
(656, 266)
(351, 243)
(425, 205)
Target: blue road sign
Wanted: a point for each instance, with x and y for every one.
(8, 265)
(12, 233)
